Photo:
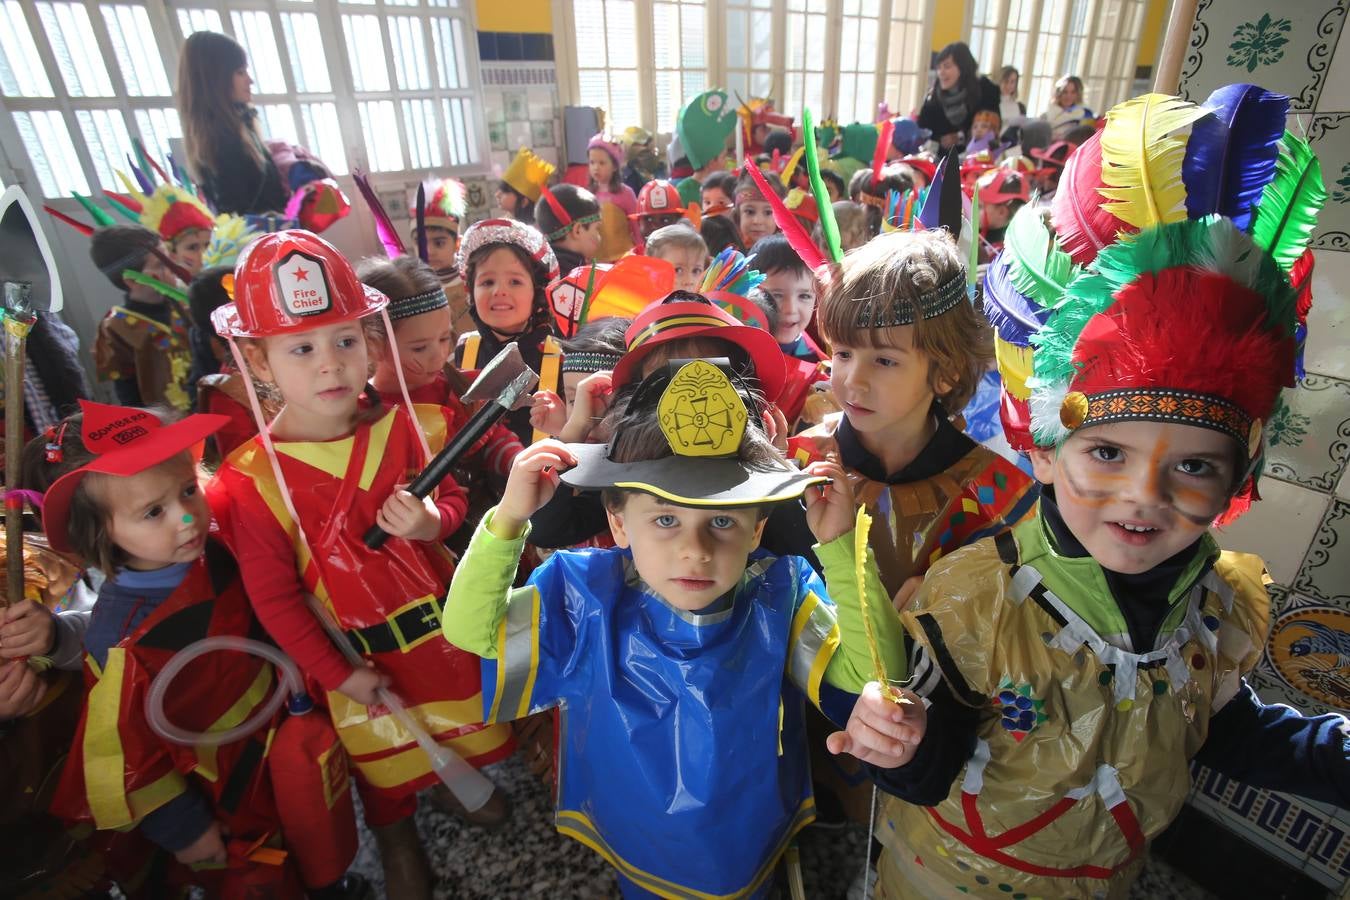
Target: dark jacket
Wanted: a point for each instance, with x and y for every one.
(932, 116)
(238, 186)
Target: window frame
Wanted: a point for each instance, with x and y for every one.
(715, 51)
(1117, 83)
(169, 36)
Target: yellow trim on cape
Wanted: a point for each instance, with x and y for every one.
(104, 759)
(578, 826)
(240, 710)
(473, 341)
(523, 709)
(413, 763)
(550, 366)
(332, 457)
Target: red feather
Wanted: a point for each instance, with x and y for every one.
(1300, 276)
(79, 226)
(883, 143)
(791, 227)
(1080, 218)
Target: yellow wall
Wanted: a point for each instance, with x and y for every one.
(1155, 22)
(534, 16)
(949, 19)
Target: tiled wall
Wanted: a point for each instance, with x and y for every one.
(1302, 525)
(520, 96)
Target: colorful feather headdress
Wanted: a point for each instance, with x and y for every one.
(1161, 290)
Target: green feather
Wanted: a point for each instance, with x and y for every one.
(1212, 244)
(1040, 270)
(124, 211)
(973, 264)
(169, 291)
(828, 226)
(1287, 213)
(101, 218)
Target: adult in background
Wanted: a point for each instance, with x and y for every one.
(956, 96)
(1011, 110)
(225, 151)
(1067, 111)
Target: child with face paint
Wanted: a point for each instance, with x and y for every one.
(126, 496)
(1110, 636)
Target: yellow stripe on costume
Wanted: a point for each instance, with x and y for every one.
(413, 763)
(579, 827)
(472, 342)
(810, 645)
(240, 710)
(362, 735)
(517, 656)
(104, 759)
(146, 800)
(549, 369)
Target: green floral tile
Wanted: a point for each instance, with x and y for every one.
(1308, 438)
(1283, 47)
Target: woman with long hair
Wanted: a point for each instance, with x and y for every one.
(225, 152)
(958, 93)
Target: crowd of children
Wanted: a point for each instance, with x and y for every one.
(737, 554)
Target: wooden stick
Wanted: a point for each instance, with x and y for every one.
(18, 322)
(1176, 39)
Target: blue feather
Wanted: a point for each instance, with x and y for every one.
(1231, 154)
(944, 194)
(1015, 316)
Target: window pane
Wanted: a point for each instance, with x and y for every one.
(666, 35)
(379, 123)
(365, 51)
(590, 19)
(304, 46)
(253, 29)
(622, 24)
(737, 41)
(324, 135)
(21, 71)
(190, 21)
(51, 152)
(463, 137)
(157, 127)
(424, 138)
(448, 35)
(277, 121)
(105, 134)
(137, 54)
(693, 50)
(410, 53)
(77, 54)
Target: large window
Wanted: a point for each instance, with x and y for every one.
(390, 85)
(1097, 40)
(839, 57)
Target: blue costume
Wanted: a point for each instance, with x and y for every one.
(683, 758)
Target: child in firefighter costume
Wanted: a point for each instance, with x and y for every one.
(301, 495)
(679, 659)
(1077, 664)
(171, 584)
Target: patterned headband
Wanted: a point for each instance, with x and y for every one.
(418, 304)
(590, 361)
(878, 312)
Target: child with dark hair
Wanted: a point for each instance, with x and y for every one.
(874, 191)
(220, 388)
(569, 217)
(618, 202)
(793, 288)
(754, 213)
(518, 191)
(765, 303)
(143, 345)
(719, 232)
(709, 756)
(507, 265)
(834, 185)
(718, 193)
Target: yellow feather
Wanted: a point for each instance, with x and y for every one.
(1142, 152)
(862, 527)
(132, 189)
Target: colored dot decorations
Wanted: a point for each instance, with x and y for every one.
(1019, 711)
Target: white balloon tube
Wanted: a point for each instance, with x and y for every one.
(154, 701)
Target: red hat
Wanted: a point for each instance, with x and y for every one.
(1054, 155)
(921, 164)
(686, 315)
(658, 198)
(125, 441)
(293, 281)
(1003, 186)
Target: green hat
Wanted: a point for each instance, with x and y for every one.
(860, 142)
(704, 125)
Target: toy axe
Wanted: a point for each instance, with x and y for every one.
(29, 284)
(503, 383)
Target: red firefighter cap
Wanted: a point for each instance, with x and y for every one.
(293, 281)
(659, 198)
(124, 441)
(686, 315)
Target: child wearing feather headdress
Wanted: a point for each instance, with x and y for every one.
(1108, 635)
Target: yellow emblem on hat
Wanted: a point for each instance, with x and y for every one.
(700, 412)
(1073, 412)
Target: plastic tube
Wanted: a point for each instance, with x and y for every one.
(159, 689)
